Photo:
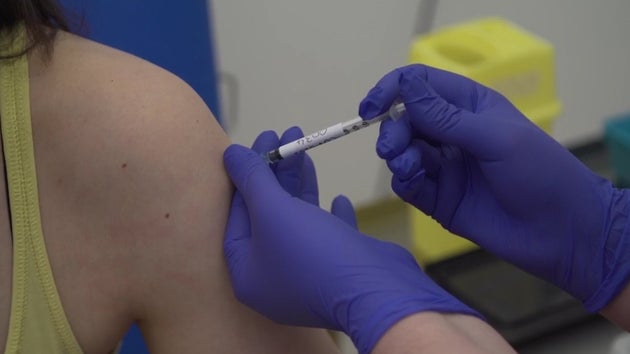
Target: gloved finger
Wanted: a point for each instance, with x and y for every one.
(453, 184)
(237, 232)
(431, 157)
(289, 171)
(430, 115)
(252, 177)
(393, 137)
(310, 191)
(342, 208)
(455, 89)
(420, 191)
(436, 119)
(265, 142)
(408, 163)
(380, 97)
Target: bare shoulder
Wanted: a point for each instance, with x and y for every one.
(113, 104)
(134, 148)
(133, 193)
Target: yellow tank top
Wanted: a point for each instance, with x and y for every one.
(38, 323)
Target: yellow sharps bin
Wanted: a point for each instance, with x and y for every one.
(500, 55)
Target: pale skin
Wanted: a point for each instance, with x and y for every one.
(134, 201)
(435, 333)
(432, 332)
(618, 310)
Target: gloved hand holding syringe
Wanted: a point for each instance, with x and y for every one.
(329, 134)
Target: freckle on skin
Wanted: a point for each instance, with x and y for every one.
(167, 215)
(124, 165)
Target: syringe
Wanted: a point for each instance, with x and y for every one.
(329, 134)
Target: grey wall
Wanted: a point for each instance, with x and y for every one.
(309, 63)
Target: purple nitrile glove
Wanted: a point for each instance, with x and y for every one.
(467, 157)
(300, 265)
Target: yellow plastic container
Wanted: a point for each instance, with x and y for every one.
(498, 54)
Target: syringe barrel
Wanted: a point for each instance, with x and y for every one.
(331, 133)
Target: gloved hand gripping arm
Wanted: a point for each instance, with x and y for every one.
(298, 264)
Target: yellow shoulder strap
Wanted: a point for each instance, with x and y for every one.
(38, 323)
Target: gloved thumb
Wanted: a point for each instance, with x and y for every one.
(432, 116)
(250, 174)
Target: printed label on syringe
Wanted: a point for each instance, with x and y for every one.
(312, 140)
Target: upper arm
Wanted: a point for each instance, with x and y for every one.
(176, 198)
(149, 179)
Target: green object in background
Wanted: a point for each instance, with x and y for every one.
(617, 135)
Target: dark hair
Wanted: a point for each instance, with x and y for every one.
(41, 18)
